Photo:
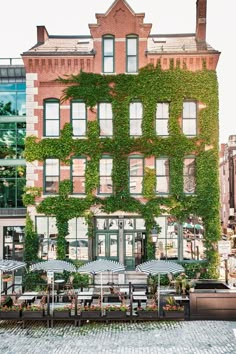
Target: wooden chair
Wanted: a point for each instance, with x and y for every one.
(69, 284)
(172, 282)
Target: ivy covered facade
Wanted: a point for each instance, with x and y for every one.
(122, 143)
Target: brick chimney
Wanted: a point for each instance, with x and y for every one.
(201, 20)
(42, 34)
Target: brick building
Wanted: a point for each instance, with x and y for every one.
(132, 144)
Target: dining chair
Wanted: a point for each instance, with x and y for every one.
(172, 282)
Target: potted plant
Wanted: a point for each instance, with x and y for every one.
(181, 283)
(33, 311)
(6, 277)
(116, 311)
(233, 274)
(62, 312)
(148, 312)
(173, 310)
(92, 311)
(13, 312)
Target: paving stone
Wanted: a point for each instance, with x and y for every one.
(192, 337)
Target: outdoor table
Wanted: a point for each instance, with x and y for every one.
(57, 282)
(31, 293)
(139, 292)
(86, 297)
(183, 301)
(139, 298)
(27, 298)
(181, 298)
(124, 290)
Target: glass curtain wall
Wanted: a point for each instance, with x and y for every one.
(12, 136)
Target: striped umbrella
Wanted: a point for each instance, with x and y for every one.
(100, 266)
(53, 265)
(9, 266)
(158, 267)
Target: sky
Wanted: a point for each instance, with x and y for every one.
(19, 20)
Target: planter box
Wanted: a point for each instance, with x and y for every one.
(148, 314)
(33, 314)
(90, 314)
(115, 314)
(61, 314)
(174, 314)
(10, 315)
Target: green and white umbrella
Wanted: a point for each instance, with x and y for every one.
(9, 266)
(53, 265)
(158, 267)
(101, 266)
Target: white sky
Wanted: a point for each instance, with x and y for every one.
(19, 20)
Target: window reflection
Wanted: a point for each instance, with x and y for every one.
(13, 99)
(76, 240)
(13, 239)
(129, 245)
(193, 238)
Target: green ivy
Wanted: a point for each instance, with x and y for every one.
(31, 242)
(151, 85)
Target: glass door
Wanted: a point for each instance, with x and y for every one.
(129, 250)
(107, 246)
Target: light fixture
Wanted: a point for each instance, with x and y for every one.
(154, 235)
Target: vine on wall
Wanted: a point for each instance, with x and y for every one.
(150, 86)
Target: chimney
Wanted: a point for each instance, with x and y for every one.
(201, 20)
(42, 34)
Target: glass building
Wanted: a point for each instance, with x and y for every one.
(12, 163)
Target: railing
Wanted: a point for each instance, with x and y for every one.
(11, 61)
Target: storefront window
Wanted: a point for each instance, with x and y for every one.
(13, 237)
(76, 240)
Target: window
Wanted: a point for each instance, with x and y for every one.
(108, 54)
(167, 241)
(51, 178)
(51, 117)
(162, 176)
(193, 238)
(47, 232)
(136, 115)
(190, 118)
(78, 118)
(105, 119)
(13, 239)
(189, 175)
(105, 173)
(77, 239)
(78, 175)
(12, 183)
(13, 99)
(132, 54)
(162, 117)
(136, 175)
(12, 139)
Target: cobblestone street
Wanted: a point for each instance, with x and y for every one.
(216, 337)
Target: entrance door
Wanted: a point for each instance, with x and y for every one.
(129, 250)
(107, 246)
(134, 249)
